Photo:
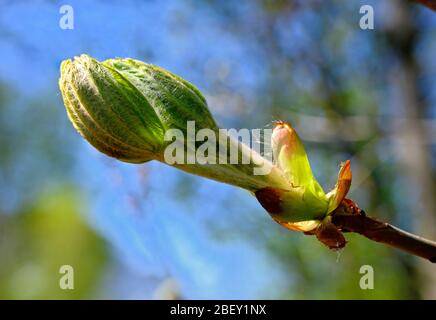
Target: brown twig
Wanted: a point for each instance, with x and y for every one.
(349, 218)
(385, 233)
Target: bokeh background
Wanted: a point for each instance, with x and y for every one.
(150, 231)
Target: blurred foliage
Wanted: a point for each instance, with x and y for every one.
(36, 242)
(334, 275)
(33, 136)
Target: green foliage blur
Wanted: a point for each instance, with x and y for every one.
(46, 235)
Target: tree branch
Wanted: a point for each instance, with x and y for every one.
(385, 233)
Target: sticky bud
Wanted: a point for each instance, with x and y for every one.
(123, 106)
(304, 204)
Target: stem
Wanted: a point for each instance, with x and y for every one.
(383, 232)
(236, 174)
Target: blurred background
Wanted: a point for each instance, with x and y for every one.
(150, 231)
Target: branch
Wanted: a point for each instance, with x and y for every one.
(385, 233)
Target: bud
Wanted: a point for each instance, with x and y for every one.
(304, 204)
(123, 107)
(172, 99)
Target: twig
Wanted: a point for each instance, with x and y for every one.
(383, 232)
